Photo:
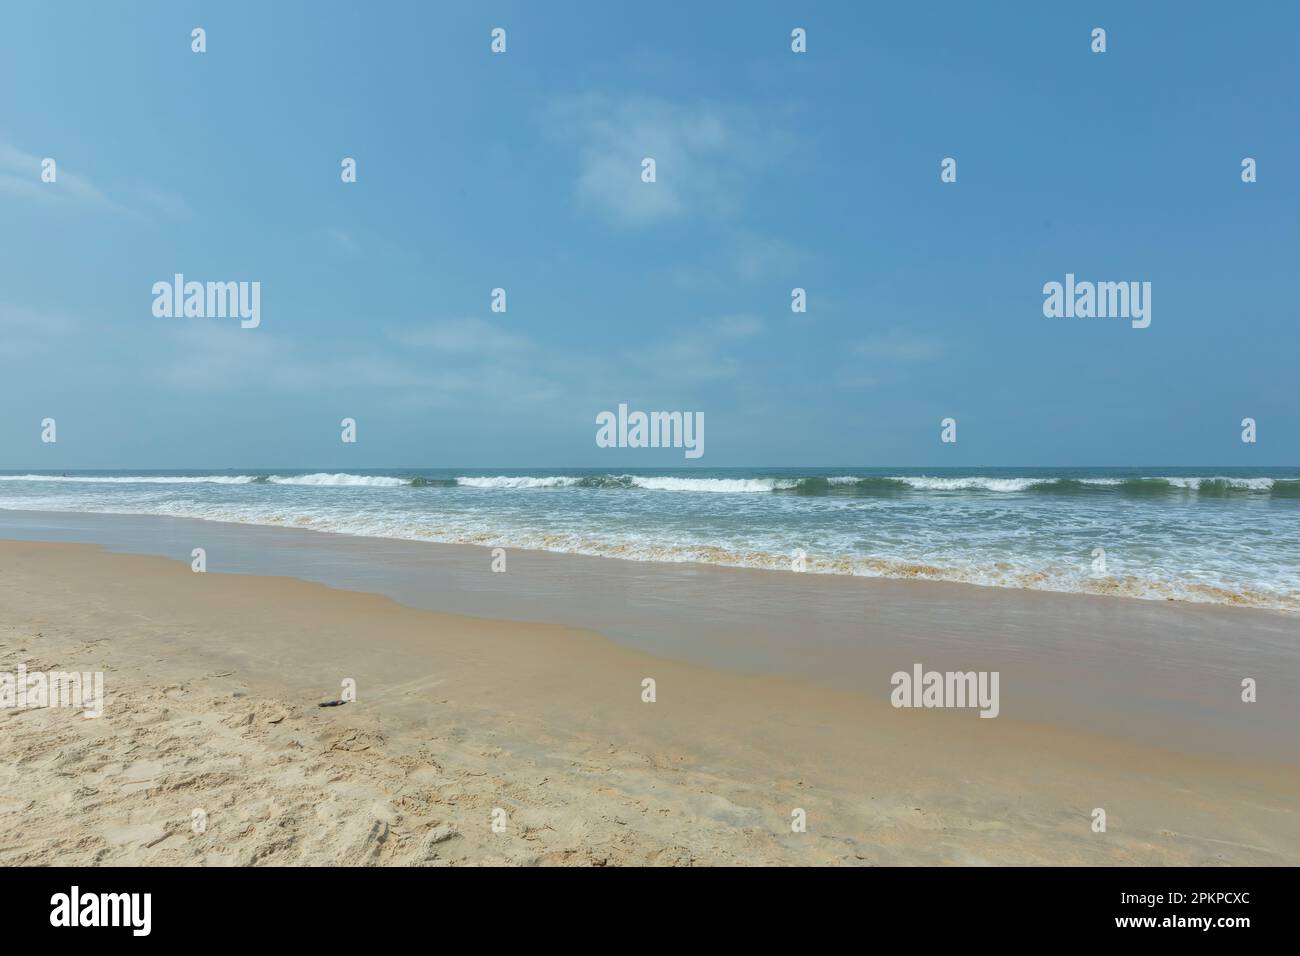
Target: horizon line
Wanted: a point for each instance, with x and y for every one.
(344, 469)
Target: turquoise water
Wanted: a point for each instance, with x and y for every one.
(1229, 536)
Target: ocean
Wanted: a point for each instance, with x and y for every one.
(1222, 536)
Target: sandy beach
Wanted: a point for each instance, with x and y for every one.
(756, 434)
(213, 683)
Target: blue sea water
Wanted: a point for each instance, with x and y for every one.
(1227, 536)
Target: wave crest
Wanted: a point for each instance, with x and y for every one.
(339, 480)
(811, 485)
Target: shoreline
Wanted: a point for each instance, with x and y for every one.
(213, 680)
(1161, 673)
(788, 514)
(41, 519)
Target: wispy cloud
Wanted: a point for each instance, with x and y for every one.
(165, 201)
(31, 333)
(701, 355)
(899, 345)
(20, 177)
(888, 357)
(756, 256)
(740, 255)
(461, 336)
(343, 240)
(705, 154)
(732, 327)
(204, 355)
(462, 363)
(415, 366)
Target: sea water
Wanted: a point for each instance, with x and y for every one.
(1226, 536)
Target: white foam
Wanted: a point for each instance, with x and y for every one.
(717, 485)
(137, 480)
(1194, 484)
(919, 552)
(342, 480)
(506, 481)
(971, 484)
(647, 483)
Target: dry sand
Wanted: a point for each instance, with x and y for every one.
(213, 681)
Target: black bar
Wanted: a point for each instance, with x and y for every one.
(319, 906)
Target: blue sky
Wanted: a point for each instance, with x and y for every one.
(522, 171)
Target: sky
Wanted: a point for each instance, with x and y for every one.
(522, 170)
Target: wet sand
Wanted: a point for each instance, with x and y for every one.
(213, 682)
(1161, 673)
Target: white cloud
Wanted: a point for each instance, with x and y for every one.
(759, 257)
(206, 354)
(460, 336)
(899, 345)
(700, 355)
(20, 176)
(166, 202)
(705, 154)
(740, 255)
(889, 355)
(459, 360)
(33, 333)
(341, 240)
(738, 326)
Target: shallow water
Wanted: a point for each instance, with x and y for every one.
(1163, 672)
(1223, 536)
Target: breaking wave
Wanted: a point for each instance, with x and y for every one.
(814, 485)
